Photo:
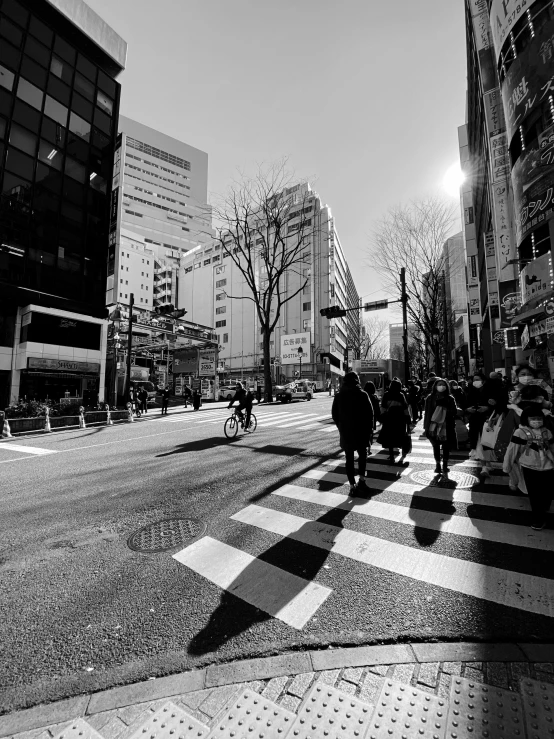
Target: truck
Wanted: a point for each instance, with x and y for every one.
(378, 371)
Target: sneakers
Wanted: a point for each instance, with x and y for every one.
(538, 524)
(445, 469)
(438, 469)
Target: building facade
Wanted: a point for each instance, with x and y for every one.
(59, 106)
(508, 208)
(160, 212)
(213, 291)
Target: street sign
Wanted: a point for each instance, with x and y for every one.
(376, 305)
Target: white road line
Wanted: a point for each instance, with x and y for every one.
(274, 422)
(261, 416)
(287, 597)
(327, 476)
(296, 423)
(27, 449)
(446, 523)
(513, 589)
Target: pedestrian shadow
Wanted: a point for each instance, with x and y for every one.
(424, 535)
(298, 554)
(199, 445)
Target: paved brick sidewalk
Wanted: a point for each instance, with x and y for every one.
(442, 691)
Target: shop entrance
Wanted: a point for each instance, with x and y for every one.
(54, 385)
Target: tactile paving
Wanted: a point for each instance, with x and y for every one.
(538, 708)
(251, 716)
(483, 712)
(171, 722)
(402, 712)
(328, 712)
(78, 729)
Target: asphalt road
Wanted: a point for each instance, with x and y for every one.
(287, 560)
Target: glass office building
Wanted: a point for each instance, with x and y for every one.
(59, 104)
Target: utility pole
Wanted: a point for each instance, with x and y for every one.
(445, 321)
(129, 347)
(404, 300)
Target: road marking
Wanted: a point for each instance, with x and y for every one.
(274, 421)
(272, 416)
(513, 589)
(326, 476)
(27, 449)
(287, 597)
(446, 523)
(297, 423)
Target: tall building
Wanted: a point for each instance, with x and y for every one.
(208, 278)
(160, 212)
(508, 209)
(59, 105)
(456, 297)
(396, 339)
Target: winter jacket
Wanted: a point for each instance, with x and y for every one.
(450, 422)
(532, 448)
(352, 412)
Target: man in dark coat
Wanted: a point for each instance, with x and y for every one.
(165, 399)
(353, 414)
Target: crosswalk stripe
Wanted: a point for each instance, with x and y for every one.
(27, 449)
(301, 420)
(301, 428)
(281, 594)
(274, 421)
(446, 523)
(327, 476)
(513, 589)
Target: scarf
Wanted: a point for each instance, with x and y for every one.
(437, 427)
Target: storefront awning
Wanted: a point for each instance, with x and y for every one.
(533, 313)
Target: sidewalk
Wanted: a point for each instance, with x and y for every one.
(434, 691)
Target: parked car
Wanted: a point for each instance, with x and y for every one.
(294, 391)
(227, 390)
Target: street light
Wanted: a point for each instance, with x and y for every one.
(300, 353)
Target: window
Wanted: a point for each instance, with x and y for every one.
(220, 324)
(225, 338)
(6, 78)
(104, 102)
(197, 265)
(306, 306)
(121, 282)
(142, 287)
(207, 261)
(56, 110)
(221, 309)
(221, 283)
(29, 93)
(24, 140)
(216, 258)
(306, 324)
(188, 269)
(79, 126)
(221, 296)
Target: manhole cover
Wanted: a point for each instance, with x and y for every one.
(164, 535)
(455, 479)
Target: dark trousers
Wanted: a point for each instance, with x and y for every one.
(437, 446)
(144, 406)
(476, 423)
(165, 402)
(540, 487)
(362, 461)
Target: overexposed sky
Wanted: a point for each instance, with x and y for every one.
(363, 96)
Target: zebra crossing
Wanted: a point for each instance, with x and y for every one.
(469, 511)
(296, 418)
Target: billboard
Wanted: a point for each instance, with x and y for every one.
(291, 343)
(185, 362)
(494, 112)
(505, 243)
(536, 278)
(533, 181)
(527, 82)
(504, 15)
(206, 362)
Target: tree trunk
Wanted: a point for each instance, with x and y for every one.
(268, 390)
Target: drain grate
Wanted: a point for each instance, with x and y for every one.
(455, 479)
(161, 536)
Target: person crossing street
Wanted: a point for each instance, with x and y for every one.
(165, 399)
(245, 400)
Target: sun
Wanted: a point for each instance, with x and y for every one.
(452, 180)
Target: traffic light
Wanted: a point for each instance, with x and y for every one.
(164, 310)
(333, 312)
(179, 313)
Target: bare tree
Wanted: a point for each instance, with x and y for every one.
(374, 344)
(264, 225)
(413, 236)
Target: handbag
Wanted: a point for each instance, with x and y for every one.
(437, 427)
(489, 435)
(407, 445)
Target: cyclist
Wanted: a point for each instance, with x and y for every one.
(245, 400)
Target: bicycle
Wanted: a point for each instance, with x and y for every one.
(231, 427)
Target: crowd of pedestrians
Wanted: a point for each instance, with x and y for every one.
(510, 426)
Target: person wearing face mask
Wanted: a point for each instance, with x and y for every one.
(532, 451)
(477, 408)
(458, 394)
(439, 423)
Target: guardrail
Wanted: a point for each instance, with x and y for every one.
(10, 427)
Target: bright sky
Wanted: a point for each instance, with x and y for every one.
(363, 96)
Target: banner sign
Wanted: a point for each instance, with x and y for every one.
(525, 338)
(185, 362)
(506, 246)
(474, 305)
(291, 343)
(503, 17)
(206, 362)
(63, 365)
(494, 112)
(536, 278)
(538, 328)
(510, 303)
(533, 180)
(500, 160)
(528, 81)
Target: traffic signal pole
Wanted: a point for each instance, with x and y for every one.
(404, 299)
(129, 346)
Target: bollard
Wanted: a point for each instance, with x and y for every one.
(109, 421)
(130, 418)
(82, 424)
(6, 432)
(47, 427)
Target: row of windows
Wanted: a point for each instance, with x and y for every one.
(145, 300)
(157, 195)
(223, 338)
(127, 255)
(155, 205)
(158, 153)
(163, 187)
(157, 166)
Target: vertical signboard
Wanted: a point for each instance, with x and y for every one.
(536, 278)
(494, 112)
(290, 346)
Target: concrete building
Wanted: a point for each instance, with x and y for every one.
(59, 106)
(396, 338)
(457, 319)
(212, 289)
(160, 212)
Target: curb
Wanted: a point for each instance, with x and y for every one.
(268, 667)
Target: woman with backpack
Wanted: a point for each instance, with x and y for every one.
(395, 422)
(532, 451)
(439, 423)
